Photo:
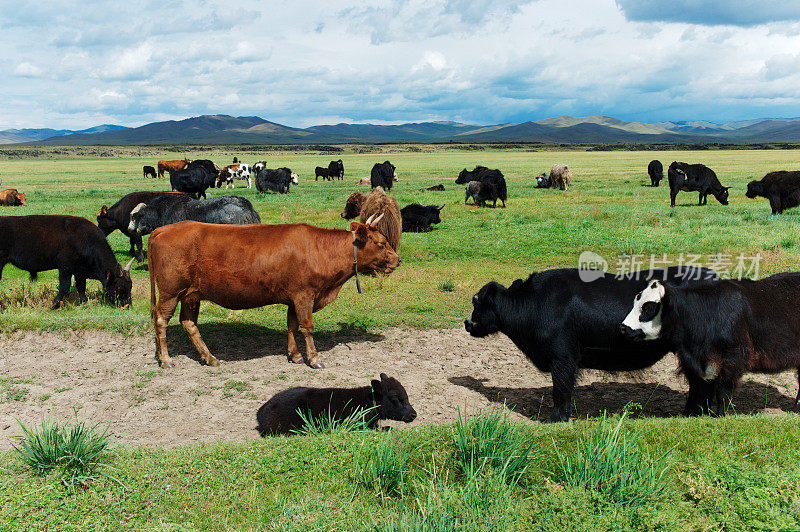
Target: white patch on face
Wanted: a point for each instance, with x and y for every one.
(654, 293)
(711, 372)
(395, 176)
(132, 225)
(295, 179)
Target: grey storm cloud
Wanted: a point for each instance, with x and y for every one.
(711, 12)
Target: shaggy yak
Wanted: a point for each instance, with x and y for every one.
(379, 202)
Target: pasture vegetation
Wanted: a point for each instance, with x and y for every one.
(607, 210)
(484, 473)
(735, 473)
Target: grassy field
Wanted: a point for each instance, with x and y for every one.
(608, 211)
(736, 473)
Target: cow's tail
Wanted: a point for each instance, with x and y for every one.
(152, 273)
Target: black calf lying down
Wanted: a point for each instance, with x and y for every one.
(280, 414)
(722, 329)
(564, 320)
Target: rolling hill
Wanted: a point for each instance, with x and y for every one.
(224, 129)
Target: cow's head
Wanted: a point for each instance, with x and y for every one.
(541, 180)
(374, 253)
(485, 317)
(137, 225)
(118, 285)
(434, 213)
(105, 222)
(392, 400)
(295, 179)
(352, 207)
(754, 189)
(21, 199)
(643, 322)
(722, 195)
(463, 177)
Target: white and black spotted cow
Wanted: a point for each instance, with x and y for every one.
(235, 171)
(720, 330)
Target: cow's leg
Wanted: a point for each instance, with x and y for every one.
(165, 309)
(796, 400)
(140, 245)
(304, 312)
(701, 393)
(64, 280)
(564, 370)
(672, 195)
(190, 310)
(725, 388)
(775, 204)
(80, 286)
(293, 326)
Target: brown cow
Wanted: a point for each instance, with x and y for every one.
(352, 207)
(171, 166)
(249, 266)
(10, 197)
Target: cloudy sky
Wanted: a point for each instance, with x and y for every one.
(76, 64)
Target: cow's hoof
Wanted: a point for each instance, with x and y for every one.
(317, 365)
(213, 362)
(167, 365)
(296, 360)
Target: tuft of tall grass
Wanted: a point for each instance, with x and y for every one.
(386, 470)
(328, 423)
(77, 450)
(491, 440)
(610, 462)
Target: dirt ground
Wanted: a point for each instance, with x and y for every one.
(112, 378)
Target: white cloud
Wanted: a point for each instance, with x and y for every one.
(27, 70)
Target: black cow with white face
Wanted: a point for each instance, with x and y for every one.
(568, 319)
(720, 330)
(695, 177)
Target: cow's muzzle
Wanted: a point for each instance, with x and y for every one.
(631, 334)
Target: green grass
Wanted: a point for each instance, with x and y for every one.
(384, 470)
(607, 211)
(733, 473)
(328, 422)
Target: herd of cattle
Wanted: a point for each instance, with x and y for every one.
(217, 250)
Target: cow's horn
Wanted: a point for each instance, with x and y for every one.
(376, 220)
(369, 220)
(128, 266)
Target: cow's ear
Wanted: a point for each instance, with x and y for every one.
(103, 210)
(377, 389)
(361, 233)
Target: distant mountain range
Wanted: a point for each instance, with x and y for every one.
(224, 129)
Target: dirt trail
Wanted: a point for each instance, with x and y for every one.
(109, 377)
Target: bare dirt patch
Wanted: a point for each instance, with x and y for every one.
(112, 378)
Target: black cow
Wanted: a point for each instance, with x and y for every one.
(480, 193)
(695, 177)
(383, 175)
(196, 178)
(324, 173)
(488, 177)
(568, 319)
(119, 216)
(781, 188)
(73, 246)
(386, 398)
(276, 180)
(418, 218)
(336, 169)
(148, 171)
(169, 210)
(722, 329)
(656, 172)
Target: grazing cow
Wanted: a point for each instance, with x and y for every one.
(144, 219)
(489, 177)
(383, 175)
(276, 180)
(352, 207)
(171, 166)
(148, 171)
(195, 179)
(383, 399)
(321, 172)
(656, 172)
(695, 177)
(542, 180)
(119, 216)
(11, 197)
(234, 171)
(249, 266)
(721, 330)
(568, 319)
(73, 246)
(336, 169)
(480, 193)
(434, 188)
(381, 206)
(560, 176)
(781, 188)
(418, 218)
